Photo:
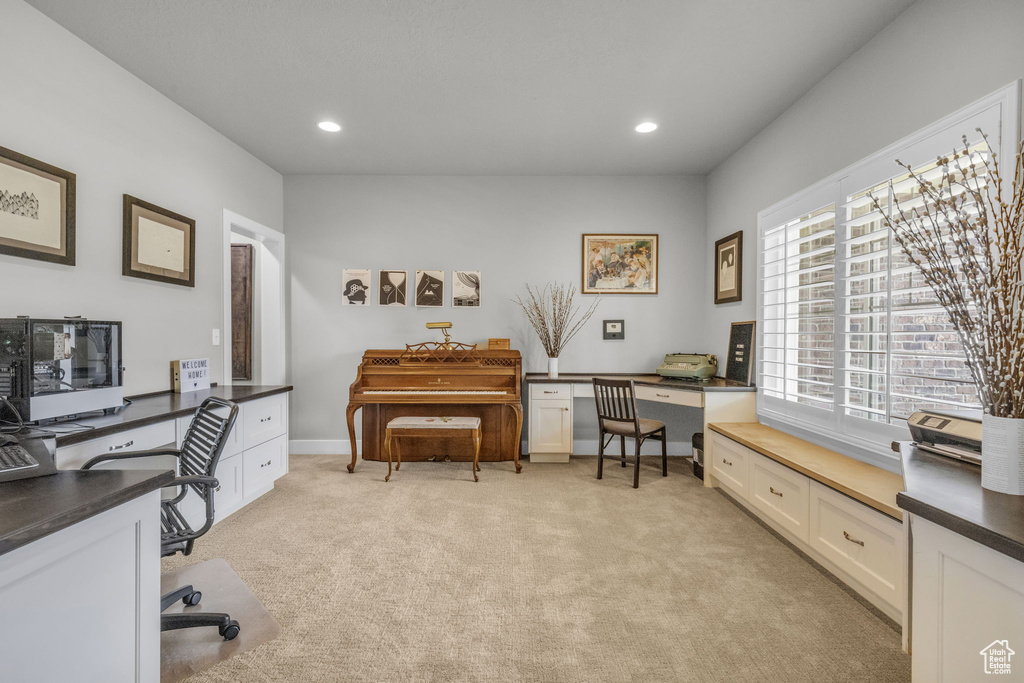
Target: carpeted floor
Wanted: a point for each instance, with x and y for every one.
(545, 576)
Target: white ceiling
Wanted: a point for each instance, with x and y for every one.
(481, 86)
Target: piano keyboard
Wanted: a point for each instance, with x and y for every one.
(433, 392)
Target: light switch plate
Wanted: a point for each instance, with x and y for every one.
(216, 337)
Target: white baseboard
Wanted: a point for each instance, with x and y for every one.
(322, 447)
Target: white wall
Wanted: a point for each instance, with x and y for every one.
(937, 57)
(66, 104)
(516, 230)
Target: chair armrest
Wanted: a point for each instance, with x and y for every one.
(208, 482)
(133, 454)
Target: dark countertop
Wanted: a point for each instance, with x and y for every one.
(153, 408)
(642, 378)
(948, 492)
(33, 508)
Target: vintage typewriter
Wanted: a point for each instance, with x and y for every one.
(699, 366)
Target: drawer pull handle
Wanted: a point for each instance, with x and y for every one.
(265, 419)
(218, 488)
(777, 493)
(266, 464)
(727, 462)
(565, 409)
(550, 392)
(662, 395)
(124, 445)
(851, 539)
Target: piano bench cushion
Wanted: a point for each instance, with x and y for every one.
(410, 422)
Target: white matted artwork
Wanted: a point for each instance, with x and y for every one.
(392, 288)
(430, 288)
(37, 209)
(465, 289)
(356, 290)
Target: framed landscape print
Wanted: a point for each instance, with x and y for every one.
(357, 285)
(392, 288)
(37, 209)
(620, 264)
(729, 268)
(158, 244)
(430, 288)
(465, 289)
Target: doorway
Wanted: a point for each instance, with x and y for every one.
(254, 296)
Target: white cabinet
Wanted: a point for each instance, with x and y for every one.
(550, 427)
(138, 439)
(263, 420)
(779, 493)
(729, 462)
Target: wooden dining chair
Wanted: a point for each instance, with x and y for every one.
(617, 416)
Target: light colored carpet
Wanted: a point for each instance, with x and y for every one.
(545, 576)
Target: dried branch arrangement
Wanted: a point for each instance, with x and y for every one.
(553, 314)
(965, 235)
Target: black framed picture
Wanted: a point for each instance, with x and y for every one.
(729, 268)
(158, 244)
(614, 329)
(37, 209)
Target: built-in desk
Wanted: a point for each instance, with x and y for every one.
(550, 404)
(967, 549)
(80, 576)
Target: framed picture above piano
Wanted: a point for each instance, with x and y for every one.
(620, 264)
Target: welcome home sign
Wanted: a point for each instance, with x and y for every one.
(190, 375)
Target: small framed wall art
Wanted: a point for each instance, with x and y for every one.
(357, 287)
(391, 290)
(729, 268)
(37, 209)
(158, 244)
(620, 264)
(465, 289)
(430, 288)
(614, 329)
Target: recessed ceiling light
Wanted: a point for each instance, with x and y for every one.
(646, 127)
(329, 126)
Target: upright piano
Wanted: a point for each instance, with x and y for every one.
(435, 379)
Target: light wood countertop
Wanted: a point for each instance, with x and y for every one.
(870, 485)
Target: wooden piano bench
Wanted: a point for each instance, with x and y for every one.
(428, 427)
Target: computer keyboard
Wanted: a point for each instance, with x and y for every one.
(14, 457)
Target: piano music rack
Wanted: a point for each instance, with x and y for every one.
(440, 352)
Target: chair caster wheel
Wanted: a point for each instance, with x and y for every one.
(230, 632)
(192, 599)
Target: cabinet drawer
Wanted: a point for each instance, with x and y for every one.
(550, 391)
(263, 464)
(263, 420)
(729, 462)
(862, 542)
(139, 439)
(694, 399)
(227, 497)
(232, 446)
(780, 493)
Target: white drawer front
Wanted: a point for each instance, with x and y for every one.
(679, 397)
(780, 493)
(262, 465)
(234, 441)
(862, 542)
(550, 391)
(227, 496)
(263, 419)
(139, 439)
(729, 462)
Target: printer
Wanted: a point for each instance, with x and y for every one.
(953, 433)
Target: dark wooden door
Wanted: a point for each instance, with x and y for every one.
(241, 311)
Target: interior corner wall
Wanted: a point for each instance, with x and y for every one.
(938, 56)
(515, 230)
(69, 106)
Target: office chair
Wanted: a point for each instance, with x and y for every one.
(197, 461)
(617, 416)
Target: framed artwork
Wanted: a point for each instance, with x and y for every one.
(430, 288)
(37, 209)
(465, 289)
(729, 268)
(739, 365)
(392, 286)
(357, 287)
(620, 264)
(614, 329)
(158, 244)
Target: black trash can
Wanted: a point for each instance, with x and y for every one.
(698, 455)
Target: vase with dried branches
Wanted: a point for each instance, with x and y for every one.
(964, 232)
(555, 317)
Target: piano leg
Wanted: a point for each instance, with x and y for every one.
(350, 416)
(518, 410)
(387, 449)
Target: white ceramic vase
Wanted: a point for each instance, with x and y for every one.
(1002, 459)
(552, 368)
